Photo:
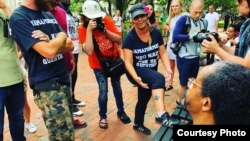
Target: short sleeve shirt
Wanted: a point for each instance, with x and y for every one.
(10, 72)
(145, 55)
(23, 22)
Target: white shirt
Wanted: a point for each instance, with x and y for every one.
(118, 22)
(212, 19)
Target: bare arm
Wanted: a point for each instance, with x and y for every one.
(225, 55)
(166, 63)
(5, 8)
(113, 37)
(128, 60)
(88, 46)
(216, 25)
(50, 48)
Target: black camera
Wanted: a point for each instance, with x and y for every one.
(100, 24)
(199, 37)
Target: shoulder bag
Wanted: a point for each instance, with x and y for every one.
(113, 67)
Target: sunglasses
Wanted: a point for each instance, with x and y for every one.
(139, 16)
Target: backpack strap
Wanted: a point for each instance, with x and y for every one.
(205, 23)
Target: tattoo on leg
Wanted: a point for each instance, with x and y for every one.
(157, 97)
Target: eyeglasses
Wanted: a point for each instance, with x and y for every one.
(139, 17)
(191, 83)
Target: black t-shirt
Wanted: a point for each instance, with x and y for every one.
(145, 55)
(23, 22)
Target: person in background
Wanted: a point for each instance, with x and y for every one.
(48, 76)
(62, 19)
(27, 112)
(141, 48)
(118, 20)
(212, 18)
(175, 12)
(106, 37)
(11, 80)
(72, 33)
(151, 16)
(188, 56)
(232, 36)
(220, 95)
(240, 54)
(226, 20)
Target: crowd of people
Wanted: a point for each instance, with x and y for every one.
(45, 37)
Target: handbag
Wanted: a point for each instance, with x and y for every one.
(112, 67)
(175, 47)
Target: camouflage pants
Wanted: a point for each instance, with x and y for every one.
(56, 107)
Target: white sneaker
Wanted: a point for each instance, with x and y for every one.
(30, 127)
(77, 112)
(79, 103)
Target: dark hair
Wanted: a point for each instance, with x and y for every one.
(229, 91)
(152, 18)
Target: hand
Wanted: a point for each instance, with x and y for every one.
(168, 75)
(210, 46)
(139, 82)
(38, 34)
(92, 25)
(191, 36)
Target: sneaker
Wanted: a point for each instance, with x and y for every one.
(76, 111)
(142, 129)
(78, 103)
(30, 127)
(167, 120)
(79, 124)
(123, 117)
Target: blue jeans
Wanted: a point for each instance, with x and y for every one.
(12, 97)
(103, 90)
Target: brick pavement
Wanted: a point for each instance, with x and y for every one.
(86, 90)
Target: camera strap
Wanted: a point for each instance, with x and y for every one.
(5, 27)
(98, 51)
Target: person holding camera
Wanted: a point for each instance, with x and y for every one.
(142, 47)
(240, 54)
(11, 80)
(48, 76)
(185, 32)
(100, 32)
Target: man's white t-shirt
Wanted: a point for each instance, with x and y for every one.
(212, 19)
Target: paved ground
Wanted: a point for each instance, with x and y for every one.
(86, 90)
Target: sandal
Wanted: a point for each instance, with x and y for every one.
(79, 124)
(103, 124)
(168, 87)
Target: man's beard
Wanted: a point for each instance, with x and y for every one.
(42, 5)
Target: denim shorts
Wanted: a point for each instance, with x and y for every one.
(188, 68)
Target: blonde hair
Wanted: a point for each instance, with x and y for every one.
(171, 14)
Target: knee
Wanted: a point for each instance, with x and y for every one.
(158, 81)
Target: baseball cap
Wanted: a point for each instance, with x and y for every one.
(91, 9)
(137, 9)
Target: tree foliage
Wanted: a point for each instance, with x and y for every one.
(122, 5)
